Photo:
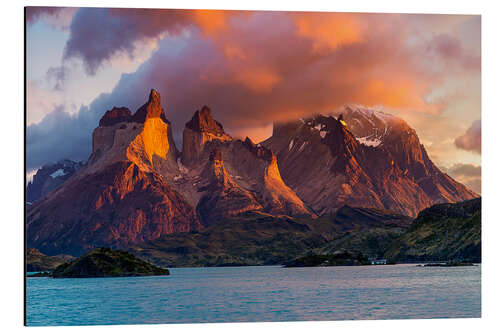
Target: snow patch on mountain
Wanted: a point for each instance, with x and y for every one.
(369, 142)
(57, 173)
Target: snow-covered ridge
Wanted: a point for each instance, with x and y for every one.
(370, 126)
(368, 112)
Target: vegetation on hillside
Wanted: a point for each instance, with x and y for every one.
(338, 258)
(264, 239)
(443, 232)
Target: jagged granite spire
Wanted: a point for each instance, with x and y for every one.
(152, 109)
(202, 121)
(202, 128)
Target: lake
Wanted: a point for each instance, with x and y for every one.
(249, 294)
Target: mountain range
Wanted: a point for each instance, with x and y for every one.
(49, 177)
(137, 186)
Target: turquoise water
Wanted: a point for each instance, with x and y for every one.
(246, 294)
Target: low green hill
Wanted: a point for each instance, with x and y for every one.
(250, 239)
(263, 239)
(443, 232)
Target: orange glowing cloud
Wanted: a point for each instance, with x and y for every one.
(399, 93)
(328, 30)
(257, 79)
(234, 52)
(211, 22)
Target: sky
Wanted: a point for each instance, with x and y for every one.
(252, 68)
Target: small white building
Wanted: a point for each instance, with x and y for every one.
(375, 261)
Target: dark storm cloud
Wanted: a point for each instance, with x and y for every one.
(34, 13)
(450, 48)
(62, 135)
(57, 17)
(471, 140)
(99, 33)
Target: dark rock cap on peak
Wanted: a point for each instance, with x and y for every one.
(202, 121)
(152, 109)
(115, 115)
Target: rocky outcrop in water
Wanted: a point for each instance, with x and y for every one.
(104, 262)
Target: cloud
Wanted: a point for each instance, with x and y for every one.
(58, 17)
(56, 76)
(468, 174)
(471, 140)
(98, 34)
(450, 48)
(447, 46)
(328, 31)
(61, 134)
(251, 68)
(34, 13)
(40, 101)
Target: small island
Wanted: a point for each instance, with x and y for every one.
(104, 262)
(338, 258)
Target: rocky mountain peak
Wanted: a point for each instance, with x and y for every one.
(259, 150)
(201, 129)
(49, 177)
(151, 109)
(373, 159)
(142, 138)
(202, 121)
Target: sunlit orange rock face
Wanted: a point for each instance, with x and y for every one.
(120, 197)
